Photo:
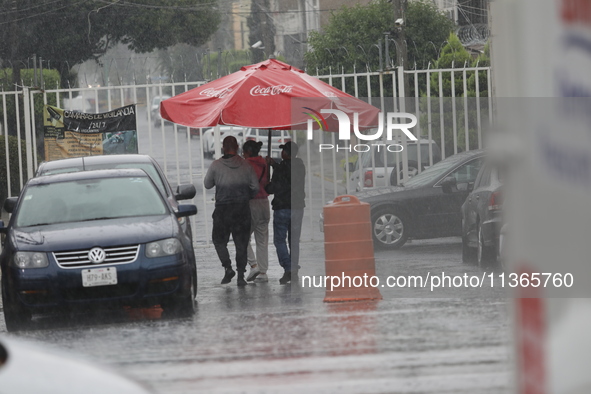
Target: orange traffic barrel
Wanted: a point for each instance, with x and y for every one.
(348, 251)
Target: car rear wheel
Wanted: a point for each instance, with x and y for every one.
(485, 254)
(389, 229)
(16, 316)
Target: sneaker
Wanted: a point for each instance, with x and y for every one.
(261, 278)
(228, 276)
(253, 273)
(286, 278)
(240, 281)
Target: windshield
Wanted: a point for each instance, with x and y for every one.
(92, 199)
(147, 167)
(434, 172)
(392, 157)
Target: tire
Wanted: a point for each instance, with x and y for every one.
(389, 229)
(485, 255)
(413, 169)
(184, 305)
(468, 253)
(15, 315)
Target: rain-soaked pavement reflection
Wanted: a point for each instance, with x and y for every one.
(272, 338)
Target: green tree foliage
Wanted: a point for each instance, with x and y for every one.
(51, 78)
(350, 38)
(481, 61)
(463, 104)
(453, 55)
(261, 28)
(14, 167)
(68, 32)
(426, 31)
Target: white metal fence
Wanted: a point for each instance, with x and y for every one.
(449, 120)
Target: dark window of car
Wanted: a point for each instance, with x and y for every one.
(93, 199)
(434, 172)
(483, 177)
(466, 173)
(392, 158)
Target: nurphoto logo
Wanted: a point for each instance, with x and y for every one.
(393, 122)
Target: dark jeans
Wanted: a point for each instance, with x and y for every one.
(232, 219)
(287, 225)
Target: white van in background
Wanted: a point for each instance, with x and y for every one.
(386, 169)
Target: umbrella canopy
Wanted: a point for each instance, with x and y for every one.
(266, 95)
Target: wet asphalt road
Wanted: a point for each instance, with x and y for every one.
(268, 338)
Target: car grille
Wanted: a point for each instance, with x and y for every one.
(114, 256)
(104, 292)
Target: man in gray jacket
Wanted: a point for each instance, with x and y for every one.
(235, 184)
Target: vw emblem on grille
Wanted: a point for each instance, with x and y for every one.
(96, 255)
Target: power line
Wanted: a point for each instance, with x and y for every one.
(38, 5)
(160, 7)
(39, 14)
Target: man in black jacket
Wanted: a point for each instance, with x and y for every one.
(287, 185)
(235, 184)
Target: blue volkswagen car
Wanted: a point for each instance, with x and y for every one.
(95, 239)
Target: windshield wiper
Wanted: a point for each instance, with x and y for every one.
(41, 224)
(101, 218)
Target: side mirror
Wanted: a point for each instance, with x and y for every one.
(10, 204)
(185, 192)
(470, 187)
(3, 230)
(185, 210)
(449, 184)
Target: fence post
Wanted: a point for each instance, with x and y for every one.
(28, 131)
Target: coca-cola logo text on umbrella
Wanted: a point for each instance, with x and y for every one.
(259, 90)
(215, 93)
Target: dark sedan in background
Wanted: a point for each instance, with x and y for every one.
(427, 206)
(481, 218)
(94, 239)
(143, 162)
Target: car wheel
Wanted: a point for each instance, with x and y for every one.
(468, 253)
(485, 255)
(389, 229)
(185, 305)
(16, 316)
(413, 169)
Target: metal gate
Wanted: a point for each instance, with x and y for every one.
(451, 120)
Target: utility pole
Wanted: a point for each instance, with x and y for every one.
(399, 9)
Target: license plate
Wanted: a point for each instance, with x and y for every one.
(99, 277)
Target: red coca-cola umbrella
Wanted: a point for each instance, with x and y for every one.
(266, 95)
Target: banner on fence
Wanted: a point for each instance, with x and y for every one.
(74, 134)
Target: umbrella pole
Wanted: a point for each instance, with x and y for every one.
(269, 155)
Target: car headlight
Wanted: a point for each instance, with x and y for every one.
(30, 260)
(165, 247)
